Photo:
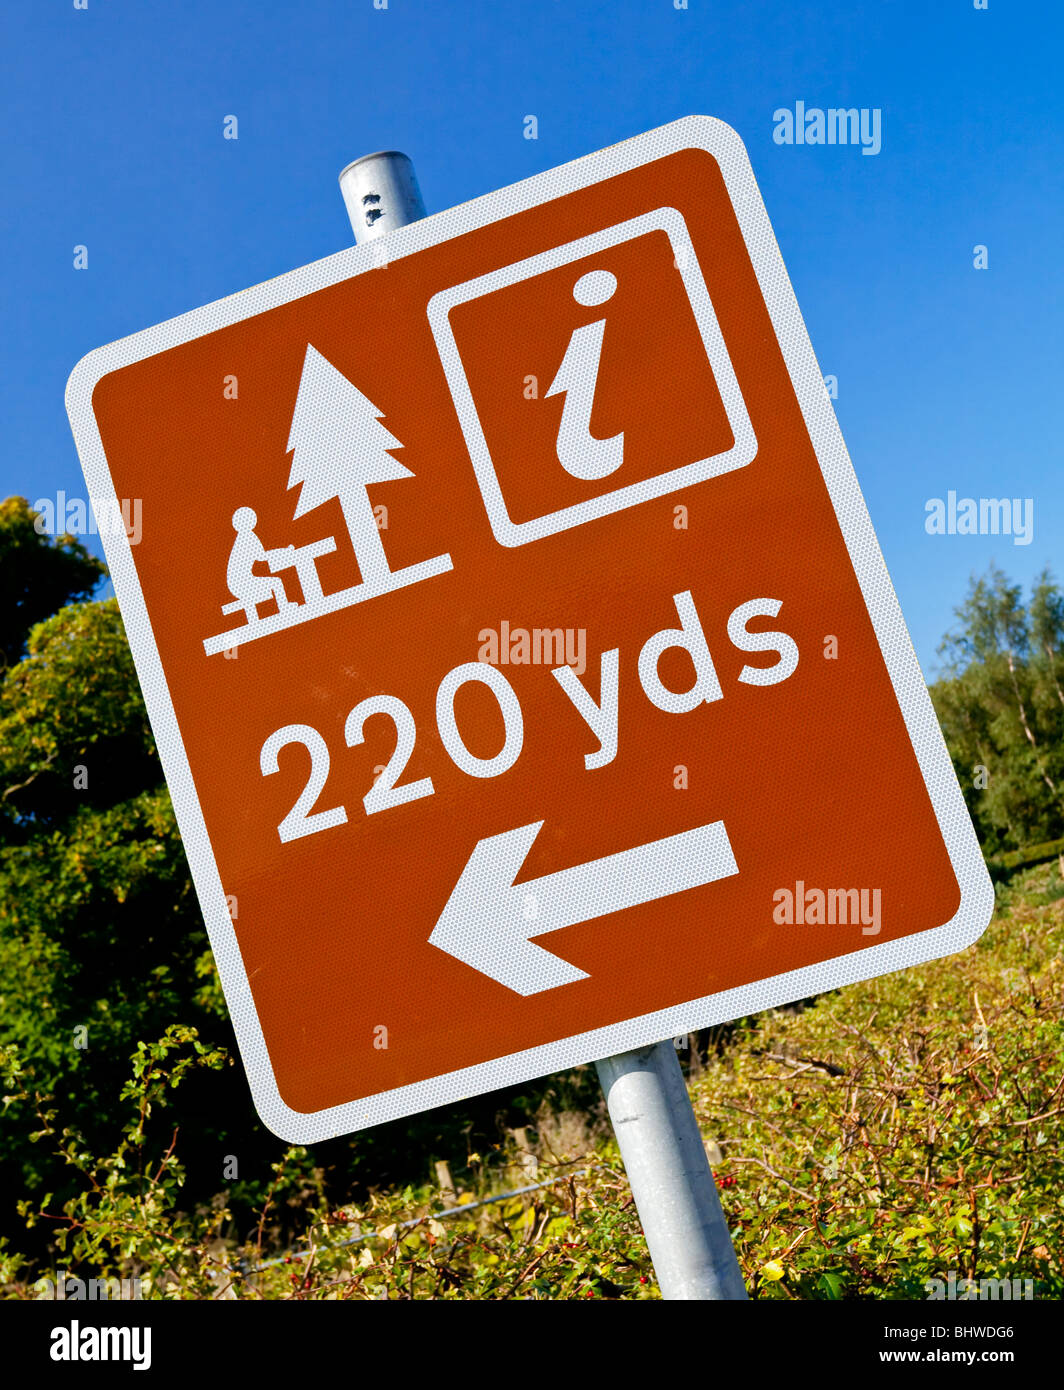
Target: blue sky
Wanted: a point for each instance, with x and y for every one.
(949, 377)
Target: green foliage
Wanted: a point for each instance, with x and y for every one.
(1001, 707)
(37, 575)
(1030, 854)
(909, 1126)
(73, 728)
(86, 913)
(101, 941)
(123, 1215)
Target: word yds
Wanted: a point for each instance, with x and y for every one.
(601, 716)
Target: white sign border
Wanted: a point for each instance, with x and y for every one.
(977, 895)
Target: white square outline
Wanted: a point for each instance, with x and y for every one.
(744, 446)
(977, 892)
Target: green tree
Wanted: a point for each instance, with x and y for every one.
(73, 729)
(1001, 706)
(101, 943)
(37, 575)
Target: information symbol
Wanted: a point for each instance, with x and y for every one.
(579, 452)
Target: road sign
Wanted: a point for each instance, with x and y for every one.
(524, 668)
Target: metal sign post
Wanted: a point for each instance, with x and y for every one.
(646, 1095)
(669, 1174)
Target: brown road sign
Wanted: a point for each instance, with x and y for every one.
(523, 663)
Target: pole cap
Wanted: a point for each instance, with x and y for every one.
(380, 192)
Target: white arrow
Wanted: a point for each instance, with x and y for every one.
(488, 921)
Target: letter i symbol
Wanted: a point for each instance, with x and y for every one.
(579, 452)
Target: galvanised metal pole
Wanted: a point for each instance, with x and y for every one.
(666, 1163)
(646, 1095)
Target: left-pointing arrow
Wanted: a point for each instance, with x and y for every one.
(489, 920)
